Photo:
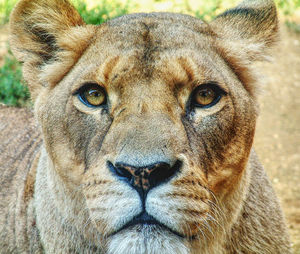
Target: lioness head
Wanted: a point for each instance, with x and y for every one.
(147, 120)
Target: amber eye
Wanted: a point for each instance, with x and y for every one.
(92, 95)
(207, 95)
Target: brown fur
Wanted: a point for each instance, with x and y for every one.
(59, 196)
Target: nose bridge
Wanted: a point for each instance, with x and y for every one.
(146, 140)
(149, 97)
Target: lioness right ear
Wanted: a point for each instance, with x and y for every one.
(48, 36)
(251, 28)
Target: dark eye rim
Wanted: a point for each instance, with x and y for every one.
(211, 85)
(80, 94)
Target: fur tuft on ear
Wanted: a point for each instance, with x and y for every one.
(47, 33)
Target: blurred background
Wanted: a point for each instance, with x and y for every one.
(277, 139)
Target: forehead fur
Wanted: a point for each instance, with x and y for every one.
(150, 39)
(157, 31)
(50, 38)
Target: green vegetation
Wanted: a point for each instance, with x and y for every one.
(209, 10)
(12, 91)
(6, 7)
(101, 12)
(288, 9)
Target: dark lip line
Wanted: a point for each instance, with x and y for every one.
(150, 220)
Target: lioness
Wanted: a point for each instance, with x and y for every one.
(144, 135)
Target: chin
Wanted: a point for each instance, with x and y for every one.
(146, 239)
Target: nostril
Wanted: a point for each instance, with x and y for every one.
(123, 172)
(120, 171)
(145, 178)
(163, 172)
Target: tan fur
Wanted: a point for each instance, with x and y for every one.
(57, 192)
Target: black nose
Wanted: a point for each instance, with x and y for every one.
(145, 178)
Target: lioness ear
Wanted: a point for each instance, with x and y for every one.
(48, 36)
(251, 27)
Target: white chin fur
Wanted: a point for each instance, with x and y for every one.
(146, 240)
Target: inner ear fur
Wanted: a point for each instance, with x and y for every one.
(47, 33)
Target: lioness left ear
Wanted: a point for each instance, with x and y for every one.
(48, 36)
(251, 28)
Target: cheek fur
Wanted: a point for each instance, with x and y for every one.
(221, 142)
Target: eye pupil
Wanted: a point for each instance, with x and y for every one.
(94, 93)
(205, 93)
(205, 97)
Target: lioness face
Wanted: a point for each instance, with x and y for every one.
(173, 128)
(149, 131)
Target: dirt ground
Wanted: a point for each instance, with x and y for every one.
(277, 140)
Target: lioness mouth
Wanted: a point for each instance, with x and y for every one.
(145, 220)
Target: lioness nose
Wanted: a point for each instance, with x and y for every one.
(145, 178)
